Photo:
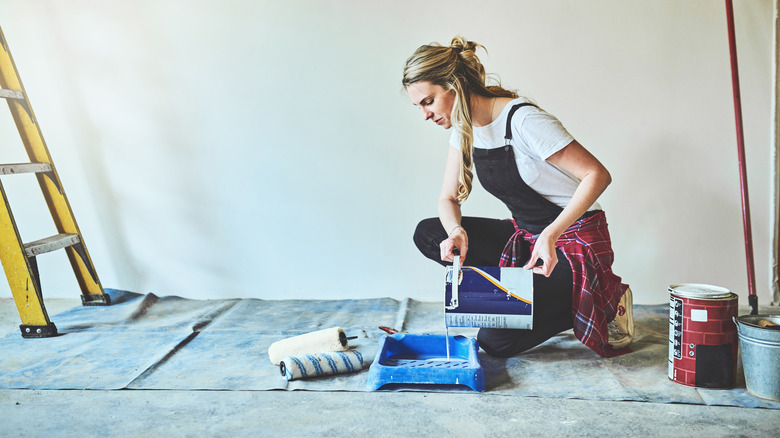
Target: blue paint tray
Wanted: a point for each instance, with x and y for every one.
(411, 361)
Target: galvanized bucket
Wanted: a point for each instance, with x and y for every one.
(760, 354)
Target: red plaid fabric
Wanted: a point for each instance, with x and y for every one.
(597, 290)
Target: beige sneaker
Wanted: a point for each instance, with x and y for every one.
(621, 329)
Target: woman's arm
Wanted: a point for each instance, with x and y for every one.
(594, 179)
(449, 209)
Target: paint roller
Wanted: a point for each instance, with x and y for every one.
(320, 364)
(327, 340)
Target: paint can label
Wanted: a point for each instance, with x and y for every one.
(675, 332)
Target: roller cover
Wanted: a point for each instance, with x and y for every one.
(321, 364)
(315, 342)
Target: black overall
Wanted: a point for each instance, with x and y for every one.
(497, 172)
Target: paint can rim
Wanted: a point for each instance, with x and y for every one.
(701, 291)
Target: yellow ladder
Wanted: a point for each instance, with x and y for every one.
(18, 258)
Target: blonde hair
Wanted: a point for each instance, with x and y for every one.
(455, 67)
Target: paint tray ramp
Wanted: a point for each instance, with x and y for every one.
(412, 361)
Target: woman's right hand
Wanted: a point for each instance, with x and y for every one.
(458, 239)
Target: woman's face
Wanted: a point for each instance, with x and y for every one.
(435, 102)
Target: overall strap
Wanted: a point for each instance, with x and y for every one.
(508, 136)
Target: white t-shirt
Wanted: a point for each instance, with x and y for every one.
(536, 135)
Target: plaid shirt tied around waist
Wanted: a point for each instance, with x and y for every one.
(597, 290)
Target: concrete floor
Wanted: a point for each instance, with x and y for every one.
(140, 413)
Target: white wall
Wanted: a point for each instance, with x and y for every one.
(264, 149)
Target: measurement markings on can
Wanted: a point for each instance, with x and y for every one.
(676, 329)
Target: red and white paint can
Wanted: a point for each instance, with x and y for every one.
(702, 336)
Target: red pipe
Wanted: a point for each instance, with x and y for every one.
(752, 299)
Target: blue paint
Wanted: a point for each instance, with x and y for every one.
(334, 369)
(301, 368)
(347, 363)
(315, 363)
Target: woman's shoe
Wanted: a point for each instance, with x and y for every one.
(621, 329)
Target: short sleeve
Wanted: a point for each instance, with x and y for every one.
(544, 134)
(455, 139)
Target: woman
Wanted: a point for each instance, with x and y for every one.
(549, 182)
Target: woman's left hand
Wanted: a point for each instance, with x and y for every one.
(544, 250)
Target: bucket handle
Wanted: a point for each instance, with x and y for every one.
(734, 318)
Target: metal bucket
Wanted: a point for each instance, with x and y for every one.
(760, 355)
(702, 337)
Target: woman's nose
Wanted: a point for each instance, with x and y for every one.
(427, 114)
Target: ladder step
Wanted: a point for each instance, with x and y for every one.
(11, 94)
(50, 244)
(11, 169)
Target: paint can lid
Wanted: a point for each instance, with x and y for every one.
(699, 291)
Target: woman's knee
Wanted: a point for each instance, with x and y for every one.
(498, 342)
(427, 237)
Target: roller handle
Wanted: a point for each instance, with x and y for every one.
(344, 339)
(743, 183)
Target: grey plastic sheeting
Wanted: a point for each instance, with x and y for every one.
(148, 342)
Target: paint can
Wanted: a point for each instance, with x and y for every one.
(702, 336)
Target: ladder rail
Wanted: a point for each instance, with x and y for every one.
(24, 286)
